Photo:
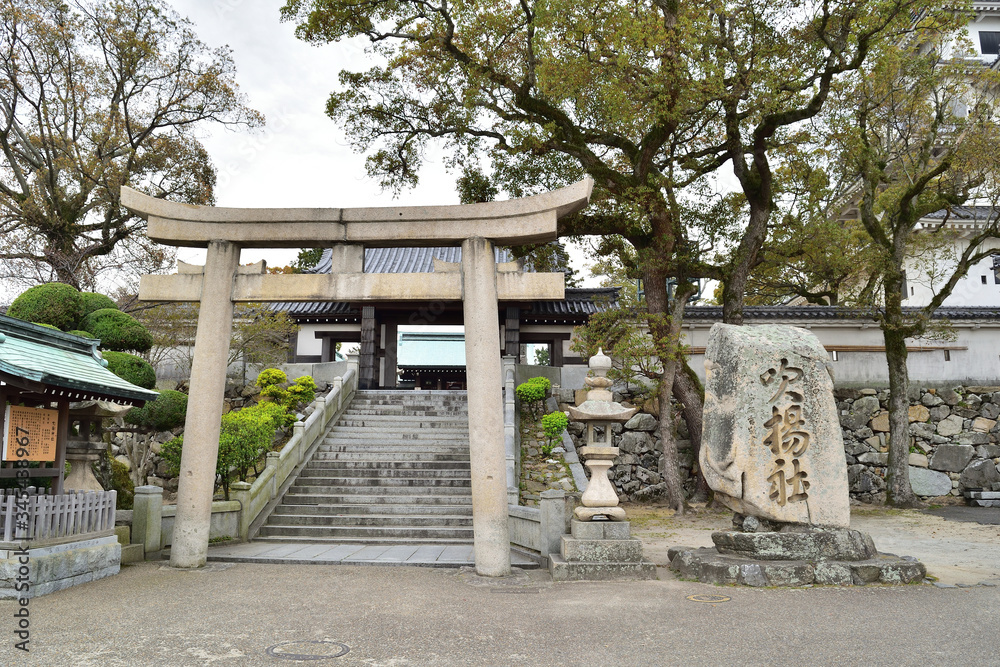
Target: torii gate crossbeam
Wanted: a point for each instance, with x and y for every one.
(476, 227)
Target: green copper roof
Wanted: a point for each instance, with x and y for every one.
(70, 366)
(431, 350)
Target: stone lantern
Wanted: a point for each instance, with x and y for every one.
(599, 412)
(87, 445)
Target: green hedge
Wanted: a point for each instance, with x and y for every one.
(55, 304)
(92, 301)
(118, 331)
(131, 368)
(166, 412)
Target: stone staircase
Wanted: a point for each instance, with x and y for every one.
(393, 470)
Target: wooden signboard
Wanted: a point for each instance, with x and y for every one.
(30, 434)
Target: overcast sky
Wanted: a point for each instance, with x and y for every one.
(301, 158)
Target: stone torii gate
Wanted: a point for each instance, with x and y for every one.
(479, 284)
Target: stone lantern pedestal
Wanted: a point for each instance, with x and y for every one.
(600, 545)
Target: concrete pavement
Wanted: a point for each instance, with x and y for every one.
(231, 614)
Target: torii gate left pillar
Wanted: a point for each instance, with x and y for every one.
(222, 282)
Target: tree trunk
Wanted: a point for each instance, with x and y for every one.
(690, 394)
(899, 493)
(663, 330)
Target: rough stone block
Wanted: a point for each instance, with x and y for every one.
(918, 413)
(973, 439)
(859, 413)
(927, 483)
(983, 425)
(587, 530)
(979, 475)
(918, 460)
(601, 551)
(133, 553)
(951, 458)
(846, 545)
(865, 573)
(988, 451)
(881, 423)
(562, 570)
(832, 574)
(751, 574)
(617, 530)
(641, 422)
(902, 572)
(789, 574)
(950, 426)
(772, 386)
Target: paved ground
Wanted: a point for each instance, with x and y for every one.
(353, 554)
(232, 614)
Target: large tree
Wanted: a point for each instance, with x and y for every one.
(918, 134)
(649, 98)
(96, 94)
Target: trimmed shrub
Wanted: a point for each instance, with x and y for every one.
(92, 301)
(118, 331)
(531, 393)
(273, 390)
(55, 304)
(553, 424)
(544, 382)
(47, 326)
(164, 413)
(81, 333)
(122, 483)
(170, 452)
(131, 368)
(271, 377)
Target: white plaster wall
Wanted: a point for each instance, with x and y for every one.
(307, 343)
(970, 290)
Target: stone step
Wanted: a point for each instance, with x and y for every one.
(307, 487)
(403, 422)
(384, 473)
(384, 509)
(386, 466)
(397, 434)
(428, 447)
(374, 520)
(368, 534)
(381, 482)
(409, 455)
(382, 541)
(326, 498)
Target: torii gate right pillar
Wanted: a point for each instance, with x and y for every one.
(486, 444)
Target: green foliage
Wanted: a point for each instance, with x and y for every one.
(260, 335)
(307, 259)
(245, 436)
(118, 331)
(554, 424)
(98, 94)
(167, 411)
(275, 388)
(54, 304)
(270, 377)
(532, 392)
(121, 482)
(170, 452)
(81, 333)
(47, 326)
(93, 301)
(131, 368)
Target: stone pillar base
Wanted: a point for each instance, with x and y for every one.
(600, 551)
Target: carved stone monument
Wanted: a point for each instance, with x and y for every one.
(772, 451)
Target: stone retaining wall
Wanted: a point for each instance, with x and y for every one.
(953, 440)
(955, 444)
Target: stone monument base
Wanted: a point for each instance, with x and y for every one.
(601, 551)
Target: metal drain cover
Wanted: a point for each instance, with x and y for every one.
(708, 598)
(306, 649)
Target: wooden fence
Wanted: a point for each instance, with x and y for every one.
(54, 516)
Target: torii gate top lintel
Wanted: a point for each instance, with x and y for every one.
(512, 222)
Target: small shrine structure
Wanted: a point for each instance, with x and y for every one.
(50, 383)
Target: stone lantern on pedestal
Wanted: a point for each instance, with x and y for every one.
(599, 412)
(87, 445)
(600, 545)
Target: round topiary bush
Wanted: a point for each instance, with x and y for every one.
(118, 331)
(164, 413)
(54, 304)
(131, 368)
(92, 301)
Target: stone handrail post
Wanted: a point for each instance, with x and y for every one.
(298, 431)
(510, 430)
(552, 504)
(147, 509)
(272, 462)
(240, 492)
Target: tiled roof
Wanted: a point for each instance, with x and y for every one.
(578, 301)
(984, 213)
(58, 359)
(404, 260)
(714, 313)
